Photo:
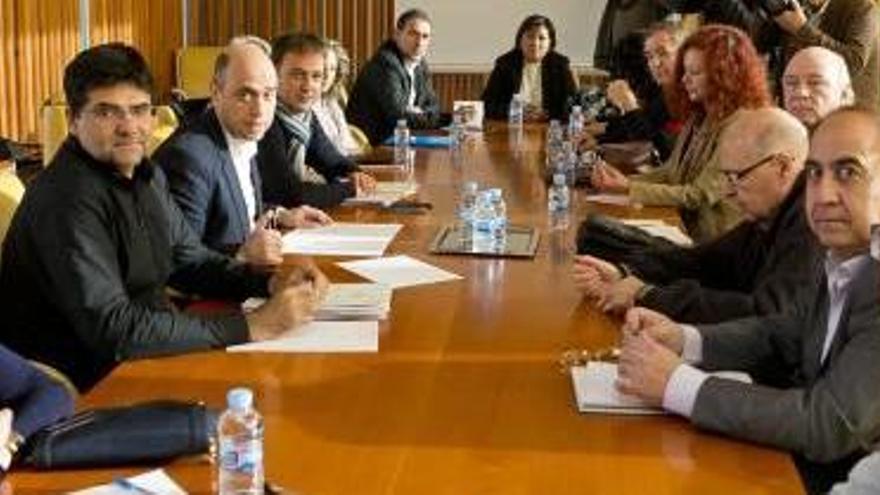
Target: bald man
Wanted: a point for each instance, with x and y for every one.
(211, 164)
(815, 366)
(750, 269)
(816, 82)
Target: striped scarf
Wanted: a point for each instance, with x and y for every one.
(299, 126)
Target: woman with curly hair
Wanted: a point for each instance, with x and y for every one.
(328, 110)
(717, 72)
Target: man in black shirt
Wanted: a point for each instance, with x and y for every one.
(97, 238)
(752, 270)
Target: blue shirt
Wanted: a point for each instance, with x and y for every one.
(35, 399)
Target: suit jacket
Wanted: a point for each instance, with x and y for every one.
(281, 186)
(202, 179)
(828, 413)
(691, 181)
(380, 94)
(557, 84)
(748, 271)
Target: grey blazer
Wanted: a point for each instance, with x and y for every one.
(825, 412)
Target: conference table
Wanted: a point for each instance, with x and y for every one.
(466, 394)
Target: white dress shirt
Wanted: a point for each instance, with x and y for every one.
(243, 152)
(531, 88)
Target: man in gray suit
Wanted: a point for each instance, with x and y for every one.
(816, 366)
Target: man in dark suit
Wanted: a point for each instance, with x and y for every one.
(816, 366)
(295, 146)
(211, 164)
(395, 83)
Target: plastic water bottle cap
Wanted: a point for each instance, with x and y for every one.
(471, 187)
(495, 193)
(401, 123)
(558, 179)
(240, 399)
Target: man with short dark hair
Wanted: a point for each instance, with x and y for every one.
(815, 366)
(395, 84)
(97, 238)
(295, 147)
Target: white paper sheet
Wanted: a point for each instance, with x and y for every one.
(609, 199)
(341, 239)
(385, 193)
(156, 481)
(399, 271)
(321, 336)
(595, 391)
(659, 228)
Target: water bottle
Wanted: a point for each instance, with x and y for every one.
(558, 202)
(401, 144)
(240, 446)
(555, 138)
(517, 109)
(466, 207)
(499, 218)
(575, 123)
(484, 217)
(456, 133)
(568, 163)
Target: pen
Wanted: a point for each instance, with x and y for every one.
(412, 204)
(129, 486)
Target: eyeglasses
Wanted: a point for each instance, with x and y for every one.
(106, 112)
(735, 177)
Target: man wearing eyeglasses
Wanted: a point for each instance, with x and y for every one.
(815, 366)
(211, 163)
(97, 239)
(747, 271)
(297, 162)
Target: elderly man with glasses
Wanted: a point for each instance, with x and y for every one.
(748, 271)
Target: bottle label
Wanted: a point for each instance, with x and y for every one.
(241, 456)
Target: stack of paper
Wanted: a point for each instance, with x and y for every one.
(346, 302)
(341, 239)
(151, 482)
(659, 228)
(321, 336)
(398, 271)
(385, 193)
(595, 390)
(356, 302)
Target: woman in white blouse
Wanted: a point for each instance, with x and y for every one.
(329, 111)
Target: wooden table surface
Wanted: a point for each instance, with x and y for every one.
(466, 394)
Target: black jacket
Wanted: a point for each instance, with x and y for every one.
(281, 186)
(652, 122)
(202, 179)
(557, 84)
(380, 94)
(754, 269)
(86, 262)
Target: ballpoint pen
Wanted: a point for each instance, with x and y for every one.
(129, 486)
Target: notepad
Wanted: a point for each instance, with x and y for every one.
(156, 481)
(385, 193)
(399, 271)
(341, 239)
(321, 336)
(595, 390)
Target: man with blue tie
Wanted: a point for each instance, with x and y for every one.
(211, 165)
(816, 366)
